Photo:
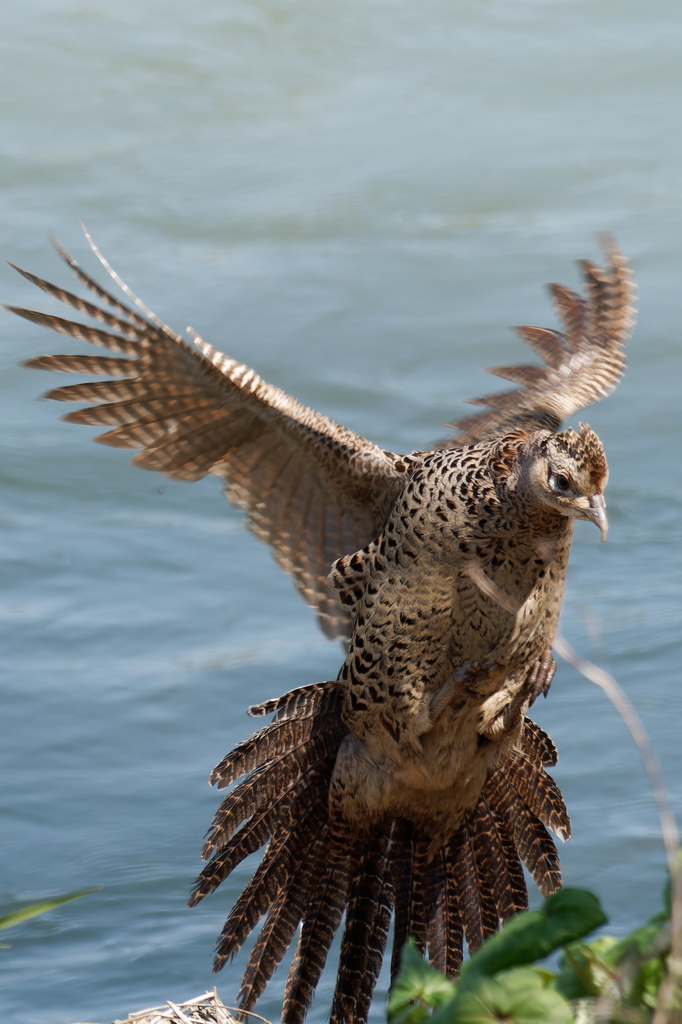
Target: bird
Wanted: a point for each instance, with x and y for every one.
(413, 786)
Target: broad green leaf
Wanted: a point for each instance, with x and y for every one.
(35, 909)
(565, 916)
(417, 989)
(522, 996)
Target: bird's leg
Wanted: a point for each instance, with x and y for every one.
(507, 720)
(464, 681)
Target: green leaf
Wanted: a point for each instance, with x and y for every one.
(639, 941)
(522, 996)
(586, 968)
(417, 989)
(35, 909)
(647, 983)
(565, 916)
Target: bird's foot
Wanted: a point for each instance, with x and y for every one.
(540, 677)
(507, 721)
(475, 677)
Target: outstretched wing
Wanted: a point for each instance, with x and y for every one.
(582, 364)
(311, 489)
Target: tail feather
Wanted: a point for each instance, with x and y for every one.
(419, 907)
(284, 917)
(538, 792)
(286, 851)
(533, 842)
(261, 784)
(489, 862)
(510, 877)
(376, 946)
(517, 879)
(356, 970)
(401, 869)
(508, 885)
(273, 741)
(318, 929)
(312, 786)
(317, 698)
(454, 936)
(458, 894)
(436, 924)
(445, 933)
(477, 906)
(537, 745)
(537, 850)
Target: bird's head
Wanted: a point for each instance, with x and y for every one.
(568, 472)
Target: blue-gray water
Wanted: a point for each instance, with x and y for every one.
(355, 198)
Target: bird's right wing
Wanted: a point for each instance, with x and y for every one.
(311, 489)
(582, 364)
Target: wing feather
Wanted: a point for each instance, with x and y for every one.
(197, 412)
(583, 364)
(311, 489)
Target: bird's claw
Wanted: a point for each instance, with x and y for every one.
(540, 677)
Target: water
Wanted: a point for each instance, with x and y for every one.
(356, 199)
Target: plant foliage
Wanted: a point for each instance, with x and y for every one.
(36, 909)
(607, 980)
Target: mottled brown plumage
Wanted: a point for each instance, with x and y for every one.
(413, 785)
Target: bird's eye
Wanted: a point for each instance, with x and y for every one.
(559, 482)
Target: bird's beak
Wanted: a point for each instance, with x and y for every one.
(596, 513)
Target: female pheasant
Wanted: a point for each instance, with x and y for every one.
(413, 785)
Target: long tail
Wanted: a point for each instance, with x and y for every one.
(457, 897)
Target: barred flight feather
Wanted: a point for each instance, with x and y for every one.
(256, 832)
(103, 366)
(300, 703)
(130, 330)
(453, 926)
(102, 339)
(98, 290)
(589, 357)
(376, 945)
(284, 917)
(537, 745)
(539, 793)
(318, 928)
(363, 902)
(99, 391)
(262, 783)
(285, 853)
(490, 836)
(401, 880)
(272, 741)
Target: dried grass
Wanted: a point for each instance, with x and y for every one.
(206, 1009)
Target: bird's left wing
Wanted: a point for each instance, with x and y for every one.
(582, 364)
(311, 489)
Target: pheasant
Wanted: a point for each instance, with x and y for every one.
(413, 786)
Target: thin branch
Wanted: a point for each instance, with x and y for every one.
(606, 682)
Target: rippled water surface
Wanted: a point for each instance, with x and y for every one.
(355, 198)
